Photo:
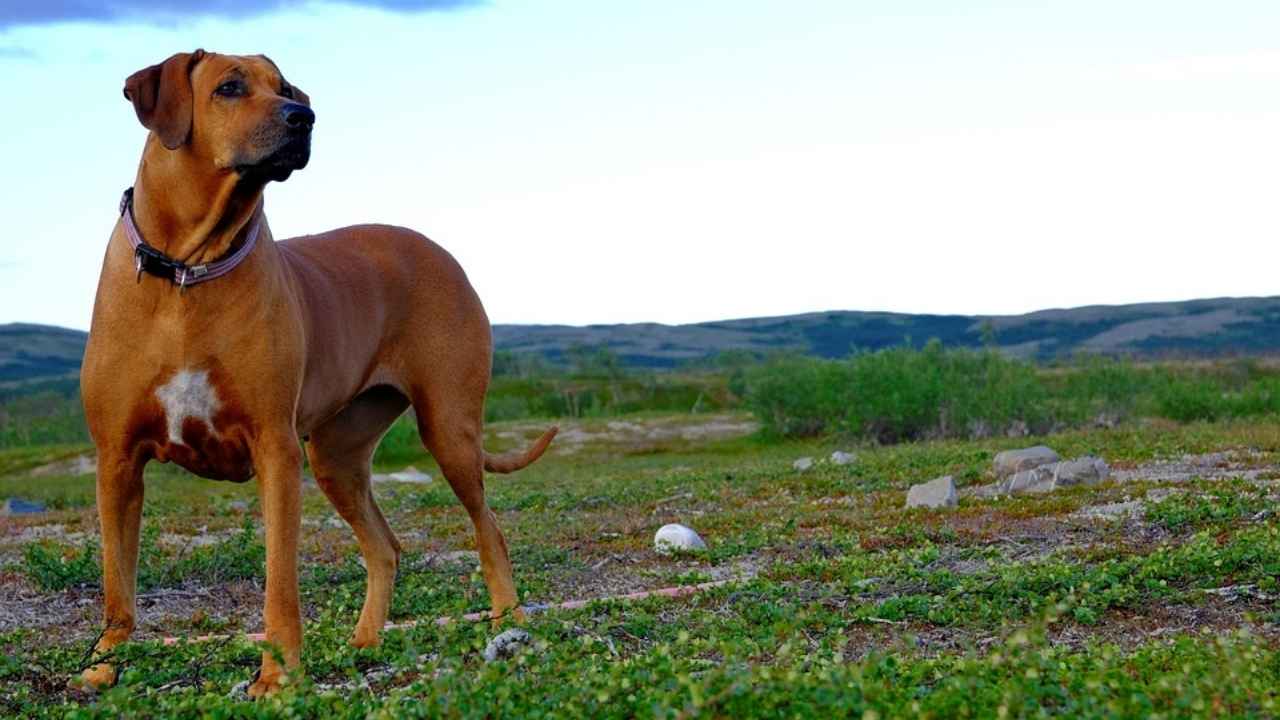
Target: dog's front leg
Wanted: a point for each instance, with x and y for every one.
(120, 514)
(279, 468)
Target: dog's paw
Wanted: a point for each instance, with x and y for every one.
(515, 614)
(366, 638)
(99, 676)
(263, 687)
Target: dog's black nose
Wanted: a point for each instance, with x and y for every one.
(298, 117)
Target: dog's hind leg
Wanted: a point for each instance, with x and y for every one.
(340, 452)
(450, 419)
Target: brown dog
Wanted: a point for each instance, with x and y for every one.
(327, 338)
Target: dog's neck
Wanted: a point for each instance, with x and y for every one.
(192, 222)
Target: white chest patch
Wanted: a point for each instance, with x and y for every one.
(188, 394)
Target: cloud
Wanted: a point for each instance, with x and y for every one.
(44, 12)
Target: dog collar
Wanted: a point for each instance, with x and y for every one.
(151, 261)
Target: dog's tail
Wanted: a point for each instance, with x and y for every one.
(515, 460)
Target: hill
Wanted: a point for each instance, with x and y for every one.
(1189, 329)
(38, 352)
(1195, 328)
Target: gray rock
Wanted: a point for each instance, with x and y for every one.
(933, 494)
(1081, 471)
(1010, 462)
(843, 458)
(506, 645)
(239, 506)
(674, 537)
(1035, 480)
(802, 464)
(1047, 478)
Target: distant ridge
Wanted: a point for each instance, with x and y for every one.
(34, 352)
(1191, 329)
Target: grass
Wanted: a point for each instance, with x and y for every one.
(846, 604)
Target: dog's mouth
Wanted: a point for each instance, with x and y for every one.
(280, 164)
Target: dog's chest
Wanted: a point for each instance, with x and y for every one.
(200, 426)
(187, 396)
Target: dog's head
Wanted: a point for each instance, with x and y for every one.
(237, 113)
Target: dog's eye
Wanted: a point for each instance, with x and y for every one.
(230, 88)
(286, 90)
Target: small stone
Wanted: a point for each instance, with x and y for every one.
(506, 645)
(674, 537)
(802, 464)
(239, 506)
(1081, 471)
(240, 691)
(933, 494)
(842, 458)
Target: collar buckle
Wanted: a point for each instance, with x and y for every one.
(147, 259)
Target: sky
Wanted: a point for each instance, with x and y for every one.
(692, 160)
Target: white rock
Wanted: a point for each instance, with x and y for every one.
(842, 458)
(802, 464)
(1014, 461)
(933, 494)
(673, 537)
(506, 644)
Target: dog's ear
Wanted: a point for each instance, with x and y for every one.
(162, 98)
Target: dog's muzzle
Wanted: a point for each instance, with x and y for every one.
(294, 149)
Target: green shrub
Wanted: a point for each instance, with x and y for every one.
(51, 566)
(896, 394)
(906, 394)
(1190, 398)
(241, 557)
